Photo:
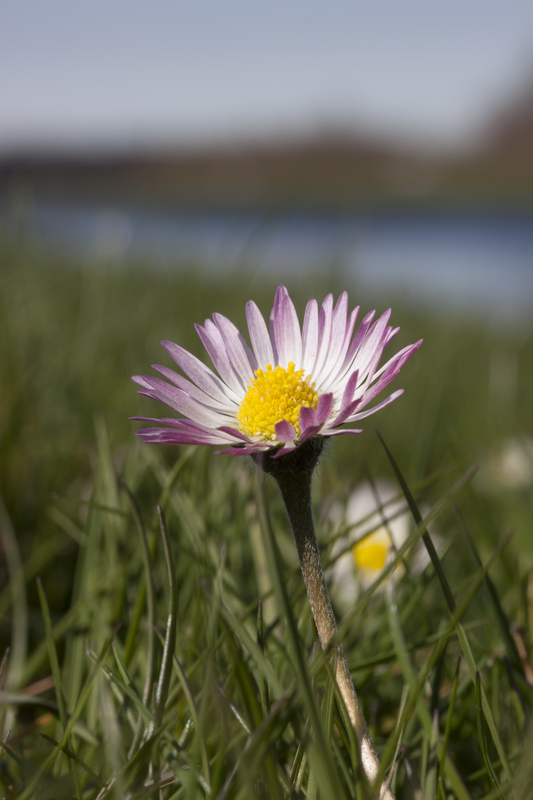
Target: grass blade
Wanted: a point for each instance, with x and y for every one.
(194, 713)
(263, 687)
(494, 603)
(165, 672)
(461, 633)
(411, 680)
(438, 649)
(52, 654)
(150, 601)
(482, 736)
(75, 758)
(19, 612)
(449, 720)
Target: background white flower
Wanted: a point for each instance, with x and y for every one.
(508, 466)
(377, 519)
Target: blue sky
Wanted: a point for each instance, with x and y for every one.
(123, 73)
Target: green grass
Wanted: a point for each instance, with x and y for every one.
(440, 659)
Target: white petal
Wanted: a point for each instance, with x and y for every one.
(194, 392)
(390, 399)
(259, 335)
(324, 336)
(186, 405)
(310, 337)
(214, 344)
(241, 357)
(331, 380)
(286, 329)
(338, 328)
(202, 376)
(352, 352)
(373, 344)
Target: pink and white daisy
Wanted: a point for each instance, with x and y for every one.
(291, 385)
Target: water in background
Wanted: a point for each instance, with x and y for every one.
(481, 263)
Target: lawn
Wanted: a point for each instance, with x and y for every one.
(173, 655)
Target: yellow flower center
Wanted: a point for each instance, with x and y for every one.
(371, 553)
(273, 395)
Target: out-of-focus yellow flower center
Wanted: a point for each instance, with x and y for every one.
(273, 395)
(371, 553)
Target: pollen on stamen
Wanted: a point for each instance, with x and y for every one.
(273, 395)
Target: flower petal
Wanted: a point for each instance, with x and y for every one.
(392, 333)
(324, 408)
(340, 431)
(310, 337)
(259, 335)
(330, 380)
(244, 451)
(177, 399)
(345, 413)
(186, 424)
(372, 346)
(352, 351)
(324, 335)
(307, 419)
(338, 330)
(202, 376)
(173, 436)
(312, 422)
(242, 359)
(234, 432)
(390, 399)
(287, 448)
(312, 430)
(193, 391)
(214, 344)
(400, 358)
(285, 431)
(349, 390)
(285, 329)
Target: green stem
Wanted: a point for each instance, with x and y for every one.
(293, 473)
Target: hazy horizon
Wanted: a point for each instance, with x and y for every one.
(119, 76)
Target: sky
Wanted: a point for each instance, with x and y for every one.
(120, 74)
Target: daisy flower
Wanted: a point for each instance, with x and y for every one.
(378, 521)
(283, 396)
(292, 384)
(360, 556)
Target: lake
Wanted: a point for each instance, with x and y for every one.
(480, 263)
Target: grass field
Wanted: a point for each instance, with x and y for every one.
(91, 583)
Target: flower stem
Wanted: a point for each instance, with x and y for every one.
(293, 473)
